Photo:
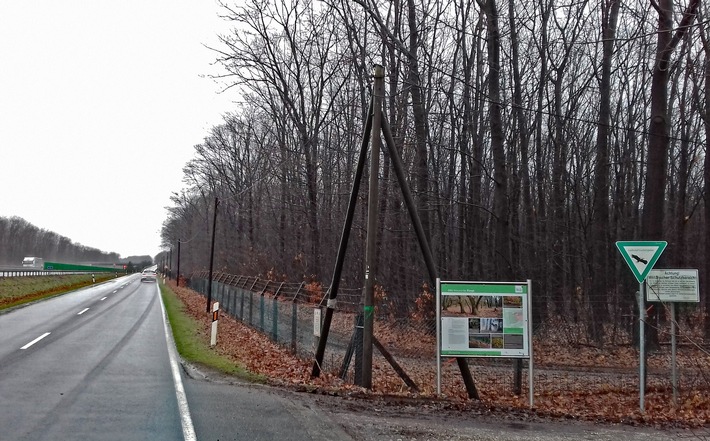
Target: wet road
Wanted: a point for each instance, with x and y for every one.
(92, 364)
(100, 364)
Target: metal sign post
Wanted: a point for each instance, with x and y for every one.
(640, 257)
(674, 374)
(642, 347)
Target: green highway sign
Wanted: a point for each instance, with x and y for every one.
(641, 256)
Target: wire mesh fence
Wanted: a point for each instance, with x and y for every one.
(564, 361)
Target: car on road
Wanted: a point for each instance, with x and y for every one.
(149, 276)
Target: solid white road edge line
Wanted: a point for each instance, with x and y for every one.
(83, 311)
(35, 340)
(188, 430)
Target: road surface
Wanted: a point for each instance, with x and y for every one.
(96, 364)
(92, 364)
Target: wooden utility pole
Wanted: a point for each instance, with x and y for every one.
(177, 279)
(372, 221)
(373, 132)
(214, 229)
(342, 248)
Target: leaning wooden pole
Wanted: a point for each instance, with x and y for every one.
(423, 242)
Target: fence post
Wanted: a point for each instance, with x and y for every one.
(241, 304)
(251, 306)
(262, 307)
(275, 319)
(227, 303)
(294, 325)
(261, 312)
(298, 291)
(278, 290)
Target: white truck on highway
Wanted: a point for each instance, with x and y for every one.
(32, 262)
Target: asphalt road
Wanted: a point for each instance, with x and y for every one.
(92, 364)
(100, 364)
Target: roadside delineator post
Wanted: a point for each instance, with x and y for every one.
(215, 319)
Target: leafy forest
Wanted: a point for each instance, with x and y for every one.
(534, 135)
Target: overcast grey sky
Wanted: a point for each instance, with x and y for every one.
(101, 103)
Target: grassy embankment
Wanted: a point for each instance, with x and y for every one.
(193, 344)
(15, 291)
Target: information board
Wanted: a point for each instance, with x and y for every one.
(672, 285)
(484, 319)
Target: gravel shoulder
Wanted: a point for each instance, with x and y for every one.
(370, 418)
(367, 420)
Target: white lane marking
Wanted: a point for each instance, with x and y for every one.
(188, 430)
(35, 340)
(114, 292)
(83, 311)
(103, 298)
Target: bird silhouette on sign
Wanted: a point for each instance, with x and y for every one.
(639, 260)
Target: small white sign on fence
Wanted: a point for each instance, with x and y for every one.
(316, 322)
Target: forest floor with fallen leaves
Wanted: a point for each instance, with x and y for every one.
(597, 400)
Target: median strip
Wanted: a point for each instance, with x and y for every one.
(35, 340)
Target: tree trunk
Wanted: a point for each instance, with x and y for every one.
(421, 171)
(540, 307)
(502, 260)
(600, 205)
(659, 131)
(705, 302)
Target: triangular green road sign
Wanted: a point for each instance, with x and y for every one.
(641, 256)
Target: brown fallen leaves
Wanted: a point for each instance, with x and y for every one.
(595, 396)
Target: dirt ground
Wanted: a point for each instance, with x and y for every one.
(380, 418)
(369, 420)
